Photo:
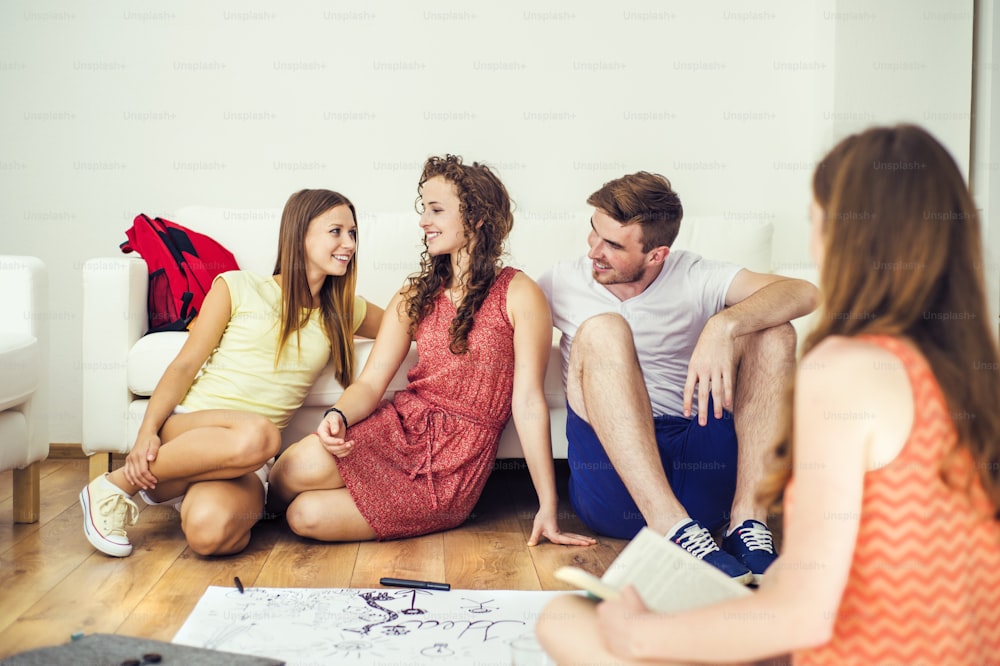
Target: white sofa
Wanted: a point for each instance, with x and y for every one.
(24, 440)
(121, 366)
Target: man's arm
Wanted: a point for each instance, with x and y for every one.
(755, 301)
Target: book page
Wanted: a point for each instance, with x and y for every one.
(586, 581)
(667, 577)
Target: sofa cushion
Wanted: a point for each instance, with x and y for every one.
(19, 369)
(746, 242)
(327, 390)
(151, 354)
(149, 357)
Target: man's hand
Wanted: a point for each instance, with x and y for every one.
(547, 526)
(712, 369)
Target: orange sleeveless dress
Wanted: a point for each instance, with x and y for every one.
(924, 585)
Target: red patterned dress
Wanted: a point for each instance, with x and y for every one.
(420, 462)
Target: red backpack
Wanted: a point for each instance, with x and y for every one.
(182, 264)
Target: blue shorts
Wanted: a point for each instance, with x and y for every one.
(699, 461)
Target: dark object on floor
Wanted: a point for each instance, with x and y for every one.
(112, 650)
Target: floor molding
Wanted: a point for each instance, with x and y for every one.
(73, 451)
(66, 450)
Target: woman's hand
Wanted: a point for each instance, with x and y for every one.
(547, 526)
(137, 461)
(616, 619)
(332, 431)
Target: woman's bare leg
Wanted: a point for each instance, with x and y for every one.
(304, 466)
(305, 481)
(207, 445)
(328, 515)
(217, 516)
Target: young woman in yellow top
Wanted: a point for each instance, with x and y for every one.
(215, 418)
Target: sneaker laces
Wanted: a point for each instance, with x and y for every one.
(120, 510)
(698, 541)
(757, 537)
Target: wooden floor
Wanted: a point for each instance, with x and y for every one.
(53, 583)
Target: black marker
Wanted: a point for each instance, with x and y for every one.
(239, 584)
(416, 584)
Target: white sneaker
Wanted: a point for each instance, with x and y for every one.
(106, 512)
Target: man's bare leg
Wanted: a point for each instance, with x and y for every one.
(766, 367)
(605, 387)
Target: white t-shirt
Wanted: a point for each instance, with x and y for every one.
(666, 318)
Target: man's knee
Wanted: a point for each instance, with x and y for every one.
(782, 336)
(772, 344)
(597, 329)
(603, 343)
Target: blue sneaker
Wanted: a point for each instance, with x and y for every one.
(752, 544)
(697, 540)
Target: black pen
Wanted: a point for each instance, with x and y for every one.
(416, 584)
(239, 584)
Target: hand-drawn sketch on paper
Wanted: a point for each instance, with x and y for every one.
(363, 626)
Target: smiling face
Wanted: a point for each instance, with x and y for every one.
(441, 219)
(331, 241)
(618, 260)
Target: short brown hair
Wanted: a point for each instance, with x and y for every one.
(646, 199)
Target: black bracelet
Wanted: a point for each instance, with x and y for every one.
(334, 409)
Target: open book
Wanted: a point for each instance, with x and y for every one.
(667, 577)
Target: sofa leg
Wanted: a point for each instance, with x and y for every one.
(100, 463)
(27, 493)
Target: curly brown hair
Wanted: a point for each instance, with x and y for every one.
(485, 207)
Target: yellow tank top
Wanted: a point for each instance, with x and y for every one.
(241, 374)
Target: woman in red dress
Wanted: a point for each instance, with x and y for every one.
(381, 470)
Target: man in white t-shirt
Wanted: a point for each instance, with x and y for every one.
(675, 369)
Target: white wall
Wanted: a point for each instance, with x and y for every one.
(985, 175)
(132, 106)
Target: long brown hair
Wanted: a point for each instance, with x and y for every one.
(486, 215)
(903, 256)
(336, 297)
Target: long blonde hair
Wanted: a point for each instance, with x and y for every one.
(336, 297)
